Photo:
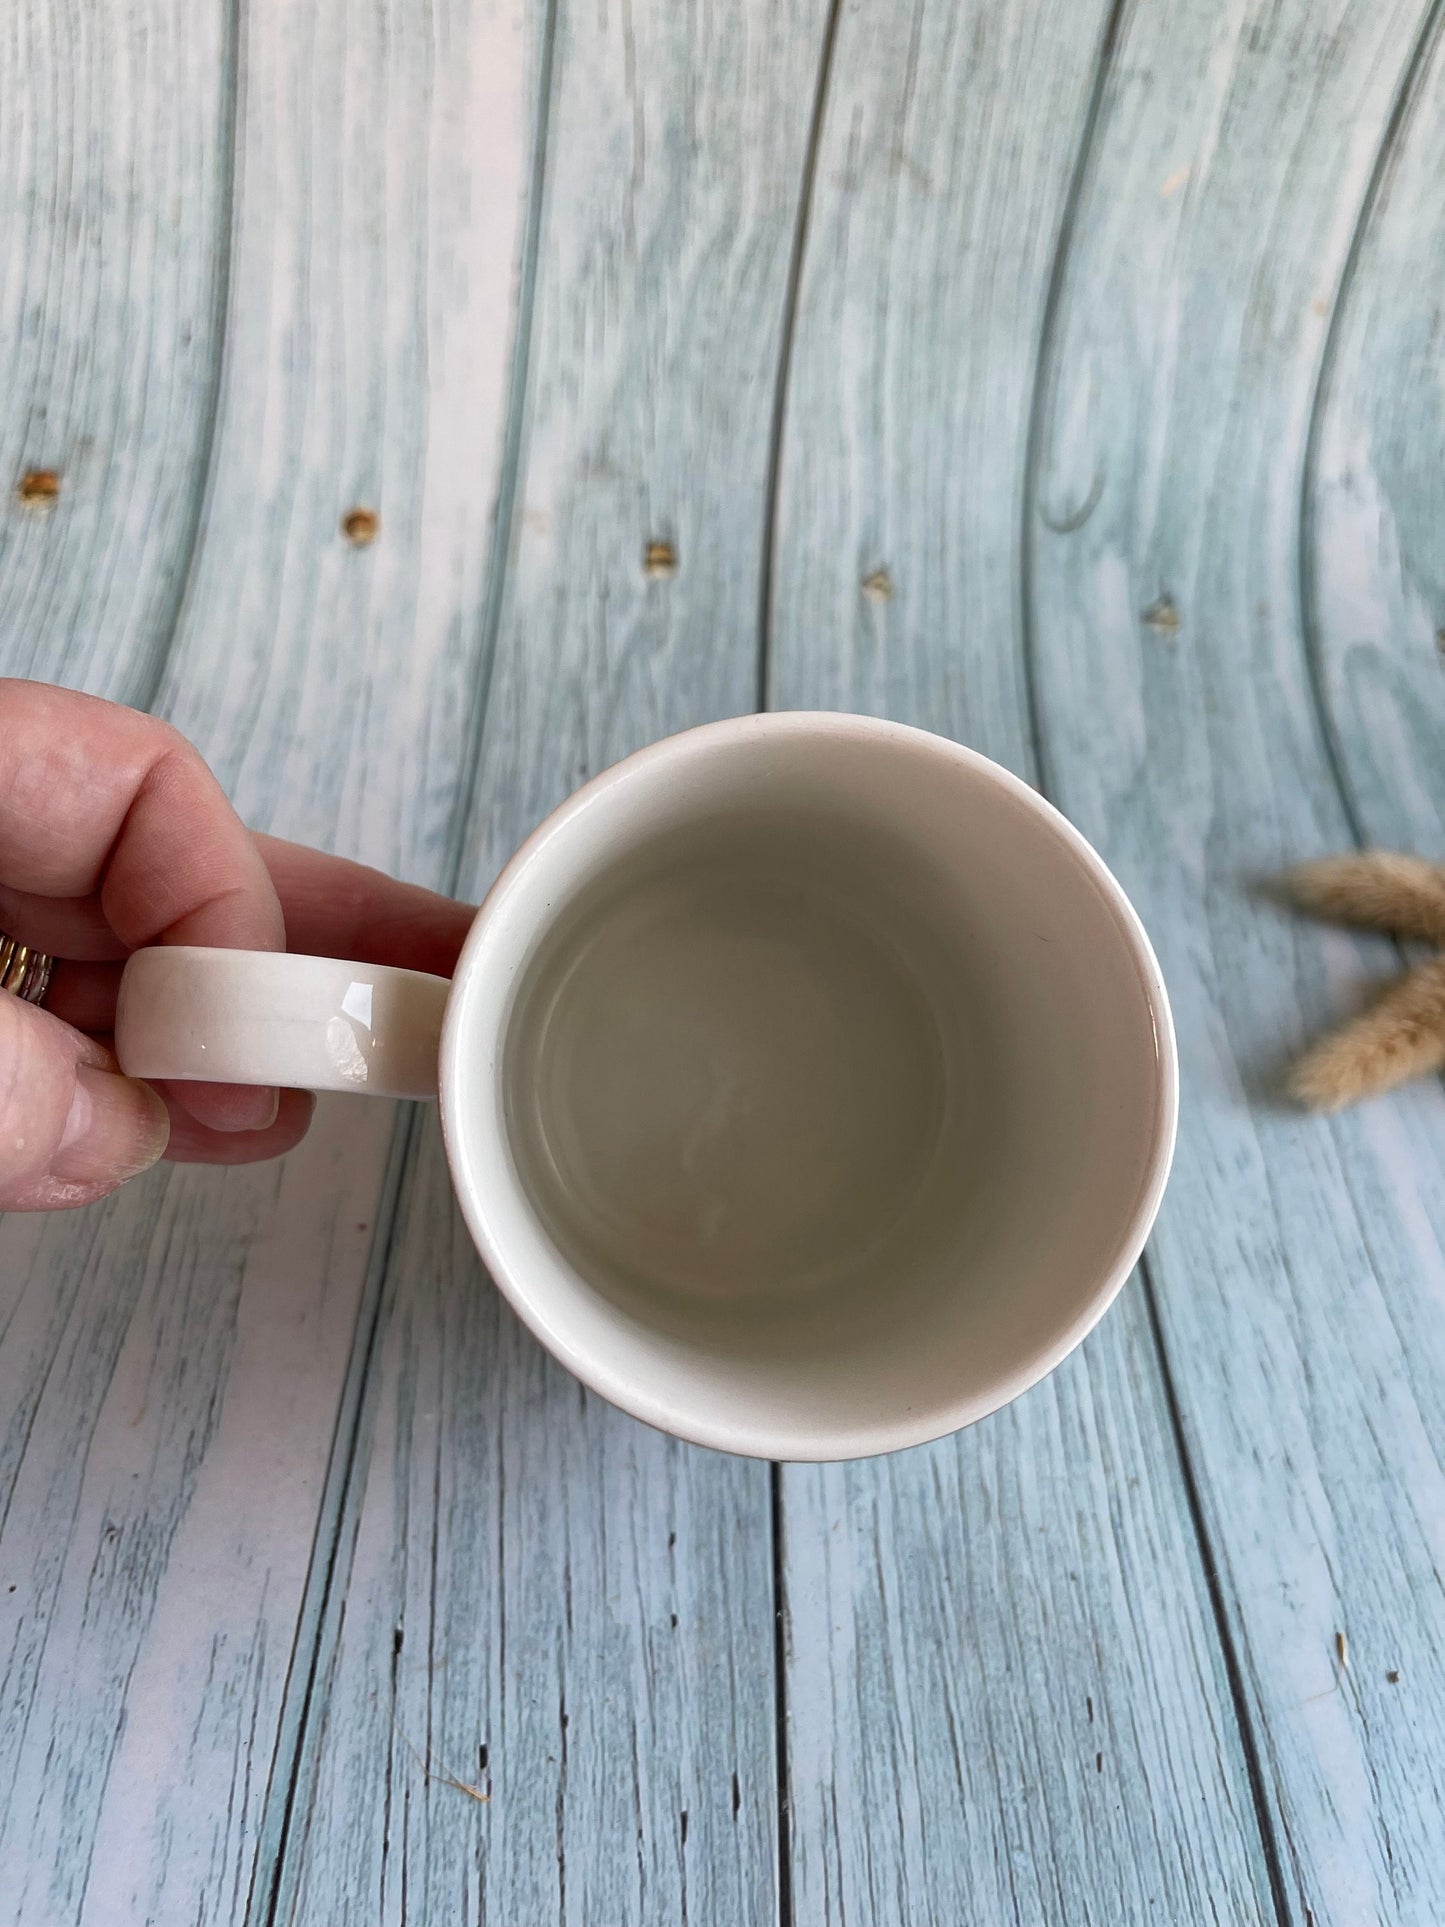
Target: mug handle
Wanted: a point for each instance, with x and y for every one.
(260, 1017)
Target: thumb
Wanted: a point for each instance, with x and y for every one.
(71, 1127)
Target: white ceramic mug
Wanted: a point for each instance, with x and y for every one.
(807, 1082)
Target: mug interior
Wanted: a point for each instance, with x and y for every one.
(809, 1086)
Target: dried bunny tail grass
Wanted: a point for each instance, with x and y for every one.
(1378, 890)
(1403, 1036)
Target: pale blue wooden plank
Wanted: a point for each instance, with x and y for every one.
(115, 177)
(165, 1360)
(544, 1601)
(1299, 1265)
(522, 1569)
(1006, 1696)
(1375, 567)
(181, 1362)
(384, 167)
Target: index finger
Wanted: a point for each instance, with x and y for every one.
(336, 908)
(101, 801)
(96, 799)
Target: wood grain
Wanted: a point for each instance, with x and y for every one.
(186, 1362)
(113, 189)
(1375, 501)
(522, 1569)
(385, 160)
(1298, 1265)
(304, 1545)
(115, 180)
(1006, 1698)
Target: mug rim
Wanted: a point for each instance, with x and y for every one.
(868, 1437)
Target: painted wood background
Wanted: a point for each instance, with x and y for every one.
(1064, 375)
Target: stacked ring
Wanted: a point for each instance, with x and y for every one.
(24, 972)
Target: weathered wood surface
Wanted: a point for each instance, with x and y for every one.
(1093, 310)
(1297, 1264)
(1374, 562)
(540, 1598)
(115, 184)
(1002, 1661)
(183, 1369)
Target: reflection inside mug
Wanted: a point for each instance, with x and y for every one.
(743, 1071)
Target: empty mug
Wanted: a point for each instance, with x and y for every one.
(807, 1082)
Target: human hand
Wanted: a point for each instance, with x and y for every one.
(114, 835)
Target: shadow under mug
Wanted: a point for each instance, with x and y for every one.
(808, 1083)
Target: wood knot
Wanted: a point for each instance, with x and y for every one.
(659, 561)
(360, 527)
(1162, 616)
(38, 487)
(878, 586)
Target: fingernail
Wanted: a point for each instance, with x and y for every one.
(116, 1128)
(244, 1107)
(230, 1107)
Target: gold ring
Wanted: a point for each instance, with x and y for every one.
(24, 971)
